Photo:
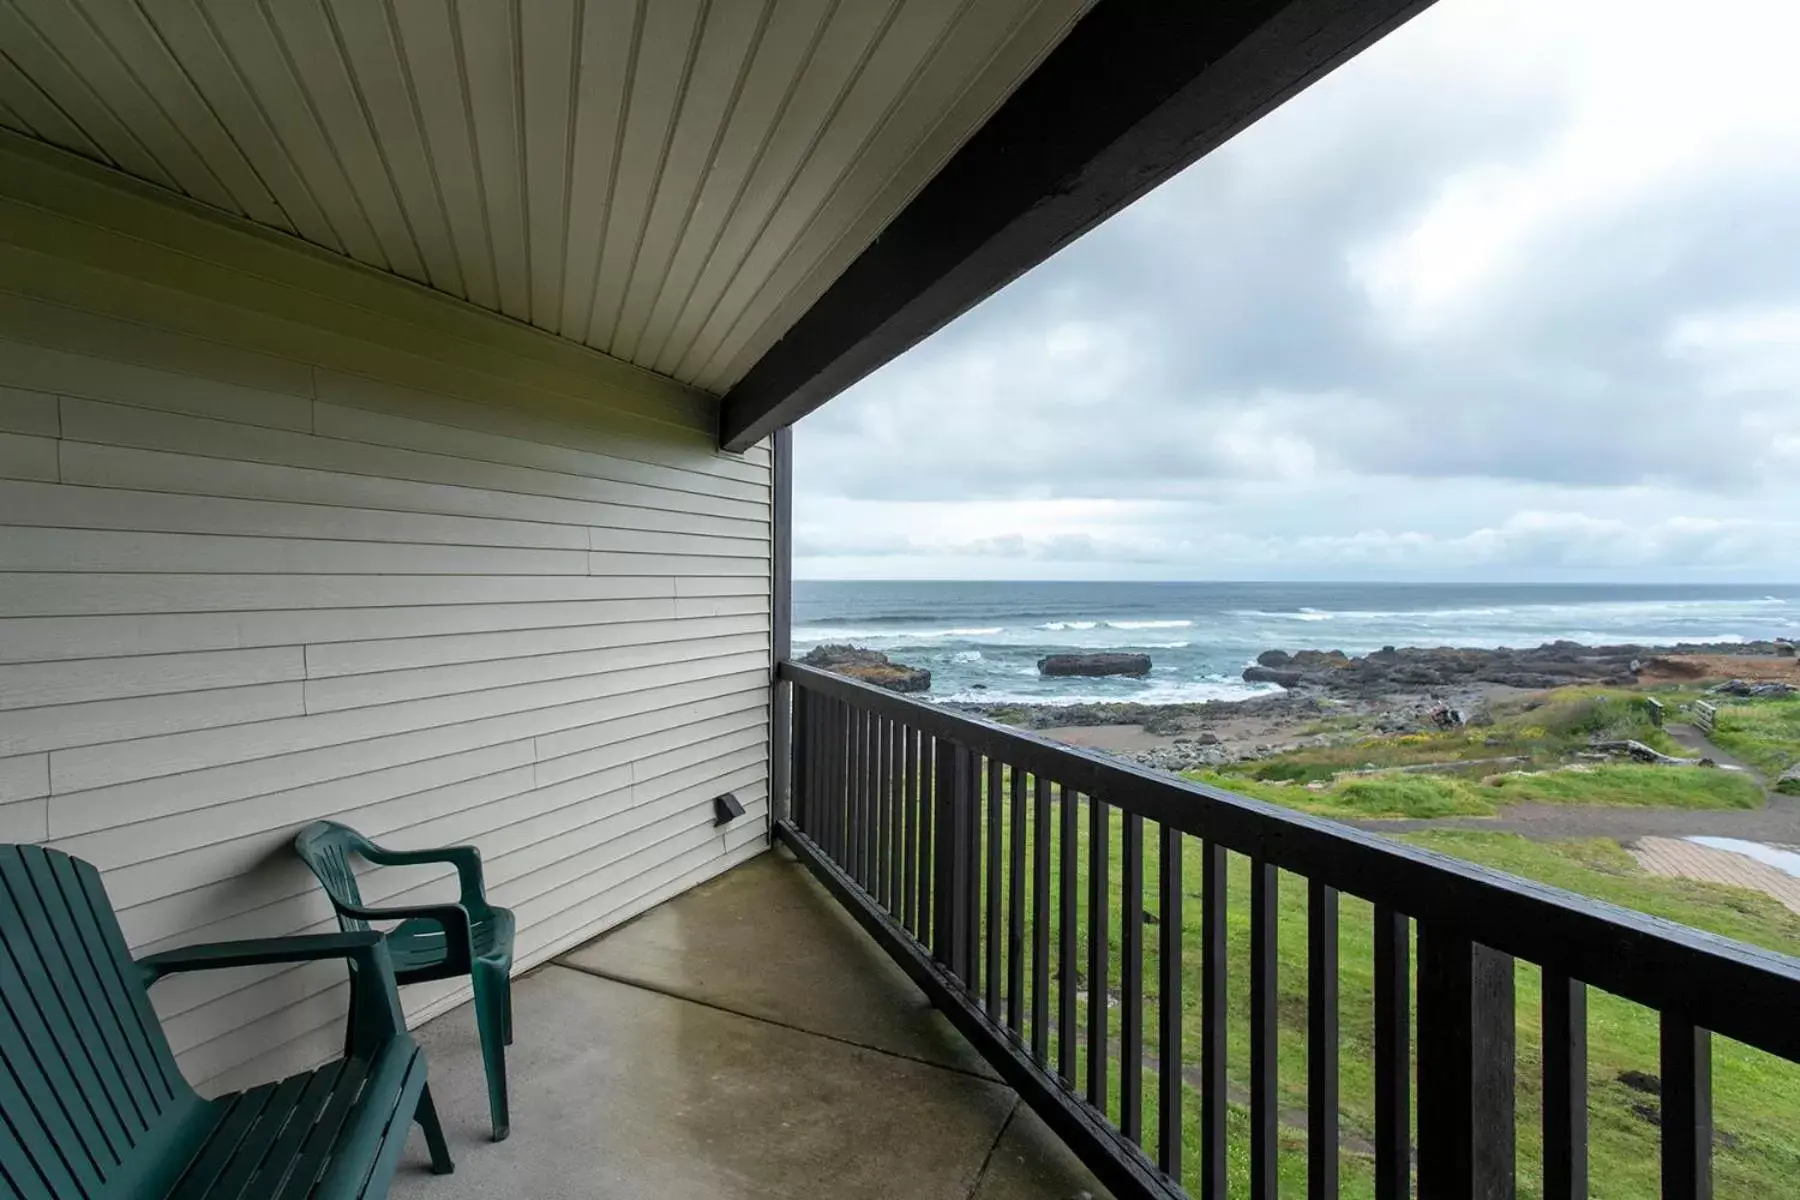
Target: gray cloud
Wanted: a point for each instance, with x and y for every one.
(1417, 277)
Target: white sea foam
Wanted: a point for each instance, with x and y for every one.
(815, 635)
(1161, 692)
(966, 656)
(1059, 626)
(1149, 624)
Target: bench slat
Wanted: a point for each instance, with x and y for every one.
(215, 1157)
(252, 1153)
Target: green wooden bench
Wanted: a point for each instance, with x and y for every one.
(91, 1100)
(431, 941)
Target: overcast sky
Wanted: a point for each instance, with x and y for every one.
(1513, 295)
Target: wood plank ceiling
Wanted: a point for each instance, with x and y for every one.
(672, 182)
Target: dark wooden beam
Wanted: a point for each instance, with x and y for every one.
(781, 587)
(1138, 90)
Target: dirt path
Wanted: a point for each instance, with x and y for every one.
(1694, 740)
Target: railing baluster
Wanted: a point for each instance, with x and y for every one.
(1321, 1041)
(876, 813)
(1213, 1015)
(1565, 1088)
(1393, 1055)
(853, 761)
(1687, 1130)
(802, 730)
(1040, 919)
(992, 929)
(896, 802)
(925, 781)
(969, 849)
(890, 815)
(1168, 1003)
(1068, 916)
(799, 730)
(909, 826)
(1015, 903)
(866, 823)
(1131, 984)
(815, 751)
(1466, 1030)
(882, 837)
(832, 809)
(1265, 1112)
(1099, 856)
(944, 878)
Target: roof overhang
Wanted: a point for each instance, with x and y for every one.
(764, 201)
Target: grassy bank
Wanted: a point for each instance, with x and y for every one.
(1524, 751)
(1757, 1098)
(1764, 733)
(1424, 796)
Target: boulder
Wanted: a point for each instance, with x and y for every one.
(1094, 664)
(1754, 688)
(868, 666)
(1274, 658)
(1286, 677)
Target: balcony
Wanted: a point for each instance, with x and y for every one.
(748, 1038)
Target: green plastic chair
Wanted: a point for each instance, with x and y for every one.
(432, 941)
(93, 1105)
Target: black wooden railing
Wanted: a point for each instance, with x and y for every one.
(983, 859)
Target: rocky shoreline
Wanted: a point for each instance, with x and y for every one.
(1393, 690)
(1325, 694)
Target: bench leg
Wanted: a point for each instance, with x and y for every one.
(427, 1117)
(491, 988)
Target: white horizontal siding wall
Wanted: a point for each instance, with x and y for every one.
(242, 590)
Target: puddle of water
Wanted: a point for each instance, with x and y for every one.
(1786, 861)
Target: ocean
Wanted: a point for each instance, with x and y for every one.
(982, 641)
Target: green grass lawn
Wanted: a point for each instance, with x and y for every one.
(1764, 733)
(1630, 784)
(1544, 733)
(1756, 1097)
(1445, 795)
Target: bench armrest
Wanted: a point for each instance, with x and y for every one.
(459, 946)
(375, 1014)
(466, 859)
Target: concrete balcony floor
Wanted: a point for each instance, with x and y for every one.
(745, 1039)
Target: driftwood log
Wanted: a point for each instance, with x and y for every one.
(1645, 754)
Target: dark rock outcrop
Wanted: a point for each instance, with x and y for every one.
(1754, 688)
(869, 666)
(1412, 669)
(1094, 664)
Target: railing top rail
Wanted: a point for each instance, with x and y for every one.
(1741, 991)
